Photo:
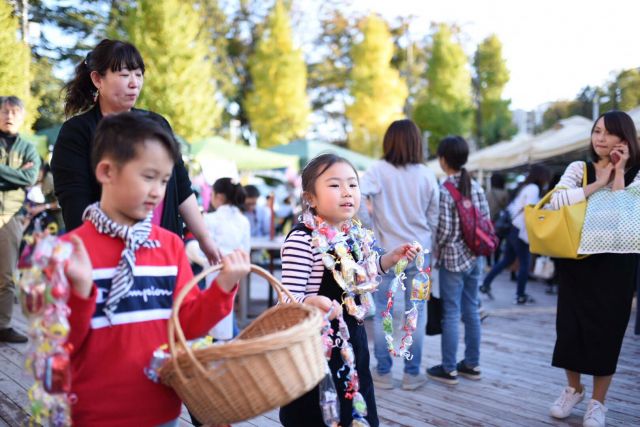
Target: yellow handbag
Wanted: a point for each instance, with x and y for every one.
(556, 233)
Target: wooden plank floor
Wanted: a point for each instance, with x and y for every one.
(517, 388)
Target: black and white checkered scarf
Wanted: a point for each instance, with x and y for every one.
(134, 237)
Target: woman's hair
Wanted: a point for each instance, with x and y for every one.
(316, 167)
(108, 55)
(402, 144)
(455, 152)
(539, 175)
(621, 125)
(233, 192)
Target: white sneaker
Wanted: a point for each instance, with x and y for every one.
(563, 405)
(382, 381)
(594, 417)
(412, 382)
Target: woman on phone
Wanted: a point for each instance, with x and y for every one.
(595, 293)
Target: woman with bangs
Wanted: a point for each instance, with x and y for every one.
(595, 293)
(108, 81)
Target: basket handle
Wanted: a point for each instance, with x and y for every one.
(175, 330)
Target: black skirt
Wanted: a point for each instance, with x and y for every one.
(594, 306)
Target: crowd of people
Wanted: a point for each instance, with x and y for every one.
(119, 183)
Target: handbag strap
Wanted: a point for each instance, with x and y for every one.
(590, 173)
(453, 190)
(630, 175)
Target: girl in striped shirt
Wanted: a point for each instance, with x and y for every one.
(331, 194)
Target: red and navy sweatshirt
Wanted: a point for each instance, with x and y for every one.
(108, 359)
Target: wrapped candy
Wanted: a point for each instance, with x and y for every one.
(421, 284)
(329, 402)
(43, 293)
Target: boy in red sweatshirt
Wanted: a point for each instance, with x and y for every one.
(124, 282)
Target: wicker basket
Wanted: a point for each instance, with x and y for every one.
(275, 360)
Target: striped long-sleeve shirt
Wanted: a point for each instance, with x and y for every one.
(302, 266)
(569, 187)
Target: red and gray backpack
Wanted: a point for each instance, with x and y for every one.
(477, 231)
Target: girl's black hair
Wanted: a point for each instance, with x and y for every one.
(621, 125)
(455, 152)
(233, 192)
(316, 167)
(108, 55)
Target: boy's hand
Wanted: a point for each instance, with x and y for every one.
(235, 266)
(324, 304)
(391, 258)
(79, 269)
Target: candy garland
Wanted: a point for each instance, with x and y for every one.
(420, 291)
(353, 249)
(44, 291)
(329, 403)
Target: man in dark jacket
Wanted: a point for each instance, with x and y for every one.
(19, 165)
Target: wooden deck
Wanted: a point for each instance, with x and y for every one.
(517, 388)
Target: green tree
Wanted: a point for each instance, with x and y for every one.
(627, 89)
(48, 89)
(277, 104)
(493, 118)
(378, 91)
(15, 63)
(331, 64)
(445, 107)
(179, 80)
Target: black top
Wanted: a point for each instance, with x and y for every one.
(75, 183)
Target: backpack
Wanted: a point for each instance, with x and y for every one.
(477, 231)
(503, 223)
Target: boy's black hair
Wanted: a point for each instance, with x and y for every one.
(118, 136)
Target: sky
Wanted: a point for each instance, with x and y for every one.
(553, 48)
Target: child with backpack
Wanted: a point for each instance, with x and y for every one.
(458, 247)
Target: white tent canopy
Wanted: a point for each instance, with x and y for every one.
(568, 135)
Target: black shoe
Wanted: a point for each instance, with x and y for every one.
(470, 373)
(10, 335)
(439, 374)
(487, 291)
(525, 299)
(551, 290)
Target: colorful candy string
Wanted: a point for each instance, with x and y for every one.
(44, 291)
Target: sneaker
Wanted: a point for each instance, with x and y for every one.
(412, 382)
(594, 417)
(12, 336)
(439, 374)
(524, 299)
(563, 405)
(382, 381)
(467, 372)
(487, 291)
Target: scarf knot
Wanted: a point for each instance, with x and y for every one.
(134, 238)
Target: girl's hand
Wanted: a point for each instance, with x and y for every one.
(235, 266)
(325, 304)
(391, 258)
(79, 269)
